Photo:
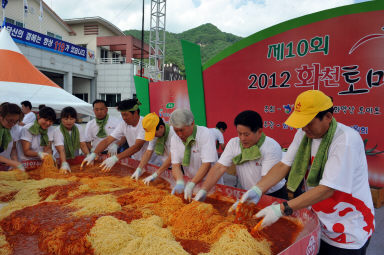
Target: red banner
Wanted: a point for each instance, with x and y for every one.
(167, 96)
(342, 56)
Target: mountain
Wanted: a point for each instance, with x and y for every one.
(209, 37)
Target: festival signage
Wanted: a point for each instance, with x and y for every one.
(32, 38)
(167, 96)
(339, 52)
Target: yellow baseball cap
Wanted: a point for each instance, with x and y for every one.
(150, 122)
(308, 104)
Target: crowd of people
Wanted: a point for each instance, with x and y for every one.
(325, 165)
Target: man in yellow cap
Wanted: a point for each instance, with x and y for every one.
(159, 136)
(330, 158)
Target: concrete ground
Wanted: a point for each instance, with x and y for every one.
(376, 246)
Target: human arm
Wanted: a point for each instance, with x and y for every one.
(12, 163)
(214, 174)
(89, 145)
(84, 148)
(14, 155)
(27, 150)
(104, 144)
(273, 212)
(132, 149)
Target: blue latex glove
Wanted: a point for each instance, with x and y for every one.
(188, 191)
(42, 155)
(64, 168)
(150, 178)
(179, 187)
(270, 213)
(112, 149)
(233, 207)
(201, 195)
(108, 163)
(137, 173)
(252, 195)
(88, 160)
(21, 167)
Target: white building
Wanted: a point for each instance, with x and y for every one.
(89, 57)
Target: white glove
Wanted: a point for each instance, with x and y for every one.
(188, 190)
(88, 159)
(21, 167)
(252, 195)
(65, 168)
(201, 195)
(42, 155)
(112, 150)
(233, 207)
(150, 178)
(137, 173)
(108, 163)
(179, 187)
(270, 213)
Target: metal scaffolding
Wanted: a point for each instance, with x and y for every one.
(157, 40)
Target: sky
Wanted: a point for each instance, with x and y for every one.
(239, 17)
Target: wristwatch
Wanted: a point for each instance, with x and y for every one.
(287, 210)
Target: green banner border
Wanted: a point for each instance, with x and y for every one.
(295, 23)
(194, 73)
(142, 93)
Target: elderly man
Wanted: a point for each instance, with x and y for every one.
(193, 147)
(253, 154)
(330, 158)
(131, 128)
(101, 127)
(159, 136)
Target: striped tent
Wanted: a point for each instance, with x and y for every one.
(20, 80)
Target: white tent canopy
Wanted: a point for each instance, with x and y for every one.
(20, 80)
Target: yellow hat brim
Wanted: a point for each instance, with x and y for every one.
(149, 135)
(299, 120)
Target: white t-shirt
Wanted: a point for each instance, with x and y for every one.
(347, 218)
(91, 130)
(131, 133)
(29, 118)
(58, 137)
(217, 135)
(33, 139)
(202, 151)
(250, 172)
(167, 147)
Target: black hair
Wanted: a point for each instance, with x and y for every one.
(68, 112)
(221, 125)
(27, 104)
(249, 119)
(99, 101)
(47, 113)
(321, 115)
(161, 123)
(9, 108)
(41, 106)
(128, 104)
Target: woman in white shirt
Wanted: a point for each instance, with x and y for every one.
(10, 115)
(36, 138)
(68, 138)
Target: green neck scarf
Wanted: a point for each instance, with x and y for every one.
(5, 137)
(160, 143)
(71, 141)
(303, 157)
(251, 153)
(188, 146)
(35, 129)
(101, 124)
